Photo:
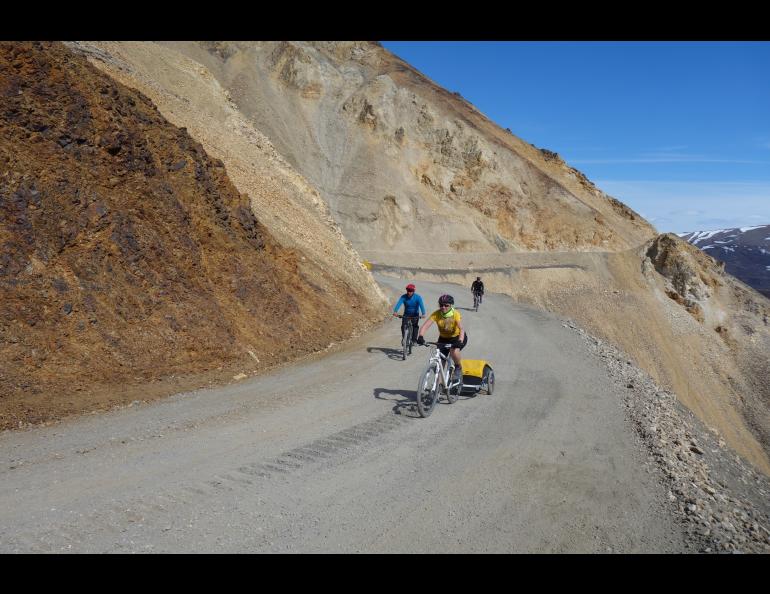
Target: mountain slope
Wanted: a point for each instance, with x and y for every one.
(446, 178)
(128, 255)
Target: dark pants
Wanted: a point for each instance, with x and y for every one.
(446, 343)
(446, 347)
(415, 326)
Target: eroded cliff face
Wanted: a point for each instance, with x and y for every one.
(126, 253)
(189, 95)
(403, 163)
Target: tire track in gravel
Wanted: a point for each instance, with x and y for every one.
(331, 450)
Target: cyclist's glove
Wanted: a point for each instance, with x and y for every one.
(420, 340)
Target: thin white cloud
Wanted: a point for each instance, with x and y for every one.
(670, 149)
(689, 212)
(683, 206)
(670, 154)
(759, 187)
(673, 158)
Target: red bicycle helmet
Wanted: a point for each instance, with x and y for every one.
(410, 287)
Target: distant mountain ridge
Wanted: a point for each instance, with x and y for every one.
(744, 250)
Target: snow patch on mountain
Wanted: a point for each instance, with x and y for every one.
(744, 251)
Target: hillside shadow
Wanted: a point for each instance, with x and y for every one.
(394, 354)
(405, 400)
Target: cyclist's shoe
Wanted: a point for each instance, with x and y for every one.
(420, 340)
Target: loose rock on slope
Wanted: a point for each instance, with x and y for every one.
(127, 254)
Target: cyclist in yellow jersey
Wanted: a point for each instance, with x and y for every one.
(452, 335)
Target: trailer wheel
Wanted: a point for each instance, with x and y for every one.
(488, 379)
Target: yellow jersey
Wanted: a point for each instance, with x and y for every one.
(447, 327)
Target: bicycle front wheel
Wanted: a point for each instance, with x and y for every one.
(427, 391)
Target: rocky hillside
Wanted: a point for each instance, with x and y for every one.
(745, 252)
(404, 164)
(127, 256)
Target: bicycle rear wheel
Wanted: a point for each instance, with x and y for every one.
(427, 391)
(453, 391)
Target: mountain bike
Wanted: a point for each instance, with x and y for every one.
(407, 338)
(476, 300)
(437, 379)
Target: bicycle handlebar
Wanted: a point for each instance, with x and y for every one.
(438, 344)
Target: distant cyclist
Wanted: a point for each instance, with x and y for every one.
(450, 330)
(413, 307)
(477, 288)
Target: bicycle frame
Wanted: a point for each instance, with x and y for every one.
(412, 322)
(445, 364)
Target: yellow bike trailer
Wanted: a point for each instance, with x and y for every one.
(478, 376)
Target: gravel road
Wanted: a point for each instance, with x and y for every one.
(329, 455)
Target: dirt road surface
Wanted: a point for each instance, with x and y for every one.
(329, 455)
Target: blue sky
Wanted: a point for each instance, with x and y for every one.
(679, 131)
